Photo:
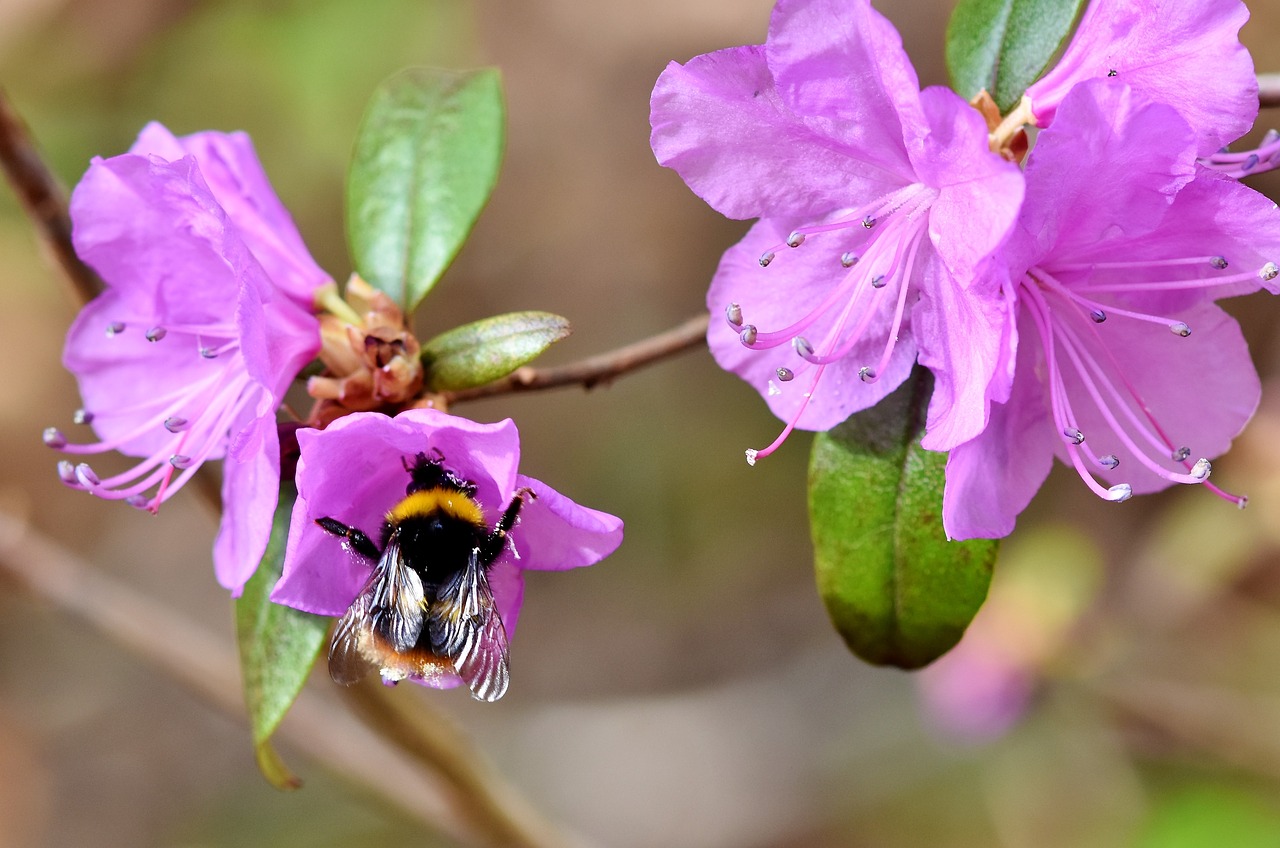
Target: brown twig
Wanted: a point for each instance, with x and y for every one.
(454, 794)
(43, 198)
(594, 370)
(1268, 90)
(434, 741)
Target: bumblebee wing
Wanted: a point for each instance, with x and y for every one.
(346, 662)
(396, 602)
(465, 628)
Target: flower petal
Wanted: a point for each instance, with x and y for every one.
(230, 167)
(992, 478)
(155, 234)
(842, 63)
(962, 336)
(719, 122)
(1105, 174)
(1185, 54)
(250, 492)
(979, 193)
(555, 534)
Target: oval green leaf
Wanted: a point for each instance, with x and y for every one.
(1004, 45)
(278, 647)
(897, 591)
(425, 162)
(490, 349)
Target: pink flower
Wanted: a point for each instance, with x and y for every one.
(1184, 53)
(354, 472)
(205, 321)
(1121, 364)
(824, 134)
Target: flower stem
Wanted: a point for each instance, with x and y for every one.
(328, 300)
(594, 370)
(1014, 121)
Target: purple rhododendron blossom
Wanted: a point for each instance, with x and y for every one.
(1185, 53)
(354, 472)
(1122, 366)
(823, 133)
(205, 321)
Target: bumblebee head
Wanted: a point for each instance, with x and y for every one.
(428, 472)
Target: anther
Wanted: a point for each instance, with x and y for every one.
(751, 456)
(869, 222)
(67, 473)
(1180, 329)
(1111, 72)
(786, 375)
(766, 258)
(1182, 454)
(1219, 262)
(138, 501)
(802, 346)
(1201, 469)
(53, 437)
(86, 476)
(1120, 492)
(209, 353)
(1269, 271)
(174, 424)
(733, 313)
(795, 239)
(1250, 163)
(115, 328)
(155, 334)
(180, 461)
(1098, 316)
(748, 335)
(865, 374)
(1109, 461)
(848, 260)
(82, 416)
(878, 281)
(1074, 436)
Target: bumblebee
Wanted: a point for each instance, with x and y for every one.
(427, 609)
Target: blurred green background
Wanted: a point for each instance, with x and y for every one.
(688, 691)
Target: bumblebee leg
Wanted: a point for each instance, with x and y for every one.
(357, 539)
(492, 547)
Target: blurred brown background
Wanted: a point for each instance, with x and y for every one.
(688, 691)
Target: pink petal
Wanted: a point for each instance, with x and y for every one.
(555, 534)
(230, 167)
(719, 122)
(1186, 54)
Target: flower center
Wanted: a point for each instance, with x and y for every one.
(1084, 378)
(885, 236)
(191, 422)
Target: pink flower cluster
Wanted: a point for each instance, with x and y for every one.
(1065, 308)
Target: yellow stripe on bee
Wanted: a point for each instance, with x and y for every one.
(448, 501)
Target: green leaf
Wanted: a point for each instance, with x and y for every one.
(1004, 45)
(425, 161)
(895, 588)
(278, 647)
(487, 350)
